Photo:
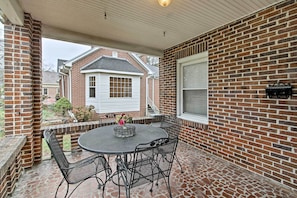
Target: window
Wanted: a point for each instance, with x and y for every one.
(45, 91)
(114, 54)
(120, 87)
(92, 86)
(192, 88)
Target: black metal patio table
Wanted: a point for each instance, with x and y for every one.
(103, 141)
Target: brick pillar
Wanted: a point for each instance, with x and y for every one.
(22, 81)
(37, 89)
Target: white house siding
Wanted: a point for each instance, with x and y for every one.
(103, 103)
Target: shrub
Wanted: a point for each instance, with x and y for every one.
(57, 97)
(82, 114)
(91, 107)
(44, 97)
(62, 105)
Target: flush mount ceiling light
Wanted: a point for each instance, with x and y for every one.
(164, 3)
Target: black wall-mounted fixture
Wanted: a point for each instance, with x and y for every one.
(279, 90)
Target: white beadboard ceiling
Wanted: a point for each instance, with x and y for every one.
(135, 25)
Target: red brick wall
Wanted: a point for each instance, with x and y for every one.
(245, 127)
(22, 81)
(142, 82)
(52, 92)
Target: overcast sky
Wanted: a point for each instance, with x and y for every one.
(52, 50)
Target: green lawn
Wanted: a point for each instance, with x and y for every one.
(66, 146)
(47, 114)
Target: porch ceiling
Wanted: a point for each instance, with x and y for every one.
(135, 25)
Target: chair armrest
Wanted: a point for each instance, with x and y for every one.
(84, 162)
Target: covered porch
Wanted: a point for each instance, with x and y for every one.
(204, 175)
(248, 46)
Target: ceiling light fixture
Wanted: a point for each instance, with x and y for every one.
(164, 3)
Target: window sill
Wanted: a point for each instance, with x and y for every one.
(194, 118)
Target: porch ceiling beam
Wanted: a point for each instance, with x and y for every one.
(13, 11)
(70, 36)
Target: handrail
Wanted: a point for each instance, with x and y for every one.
(152, 104)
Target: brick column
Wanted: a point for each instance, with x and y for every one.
(22, 81)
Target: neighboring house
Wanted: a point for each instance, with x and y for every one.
(50, 85)
(112, 81)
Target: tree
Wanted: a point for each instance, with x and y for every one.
(48, 66)
(152, 60)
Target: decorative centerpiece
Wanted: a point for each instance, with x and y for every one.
(123, 129)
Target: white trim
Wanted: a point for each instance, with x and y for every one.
(70, 62)
(194, 118)
(141, 63)
(194, 58)
(197, 58)
(13, 11)
(111, 72)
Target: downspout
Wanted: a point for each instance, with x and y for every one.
(69, 88)
(62, 86)
(146, 93)
(153, 90)
(62, 83)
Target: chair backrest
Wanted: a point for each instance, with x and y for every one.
(57, 151)
(165, 154)
(152, 160)
(172, 125)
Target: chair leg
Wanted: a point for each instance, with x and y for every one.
(67, 191)
(181, 168)
(74, 188)
(59, 187)
(107, 175)
(118, 171)
(128, 193)
(169, 188)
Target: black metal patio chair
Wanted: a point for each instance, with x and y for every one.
(150, 162)
(172, 125)
(79, 171)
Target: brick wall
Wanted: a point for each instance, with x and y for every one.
(142, 83)
(245, 127)
(11, 163)
(76, 129)
(22, 81)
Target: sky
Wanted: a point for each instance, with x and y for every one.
(52, 50)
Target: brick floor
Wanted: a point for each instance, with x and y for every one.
(204, 175)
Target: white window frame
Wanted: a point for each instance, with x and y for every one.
(120, 83)
(115, 54)
(45, 91)
(198, 58)
(92, 85)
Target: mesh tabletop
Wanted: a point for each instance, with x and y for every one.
(102, 139)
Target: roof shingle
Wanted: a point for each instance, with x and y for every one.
(111, 63)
